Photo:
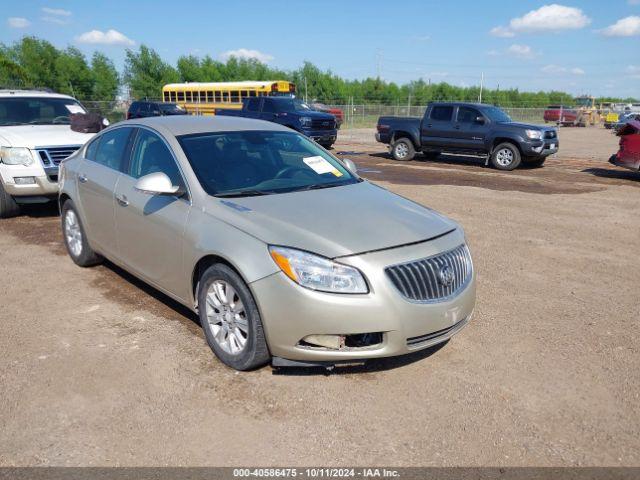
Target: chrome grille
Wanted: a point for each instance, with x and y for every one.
(52, 156)
(434, 278)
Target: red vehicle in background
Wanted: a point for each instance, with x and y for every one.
(336, 112)
(629, 154)
(560, 114)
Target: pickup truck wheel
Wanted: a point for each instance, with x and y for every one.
(8, 206)
(230, 319)
(403, 150)
(75, 238)
(505, 156)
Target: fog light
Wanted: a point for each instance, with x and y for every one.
(24, 180)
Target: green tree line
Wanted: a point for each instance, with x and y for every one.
(33, 62)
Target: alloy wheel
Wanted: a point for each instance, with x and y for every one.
(504, 157)
(401, 150)
(226, 317)
(73, 233)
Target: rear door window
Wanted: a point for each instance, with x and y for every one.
(442, 113)
(111, 148)
(467, 115)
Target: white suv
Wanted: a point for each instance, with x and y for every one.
(35, 135)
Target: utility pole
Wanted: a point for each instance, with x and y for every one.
(306, 97)
(481, 85)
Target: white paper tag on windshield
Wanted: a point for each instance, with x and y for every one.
(75, 109)
(320, 165)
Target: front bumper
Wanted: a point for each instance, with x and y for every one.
(540, 148)
(45, 185)
(291, 312)
(322, 136)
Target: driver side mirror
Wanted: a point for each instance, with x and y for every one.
(480, 120)
(350, 165)
(157, 183)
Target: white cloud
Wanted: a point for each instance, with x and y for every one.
(57, 20)
(557, 69)
(521, 51)
(548, 18)
(56, 11)
(18, 22)
(247, 54)
(110, 37)
(503, 32)
(625, 27)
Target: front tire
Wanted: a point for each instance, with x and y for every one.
(8, 206)
(75, 238)
(505, 156)
(403, 150)
(230, 319)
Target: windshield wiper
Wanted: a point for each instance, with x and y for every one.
(318, 186)
(244, 193)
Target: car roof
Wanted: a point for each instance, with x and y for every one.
(189, 124)
(33, 93)
(463, 104)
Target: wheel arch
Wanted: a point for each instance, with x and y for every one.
(205, 262)
(398, 134)
(505, 139)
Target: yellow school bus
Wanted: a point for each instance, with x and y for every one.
(204, 98)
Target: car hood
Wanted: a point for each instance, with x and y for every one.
(314, 114)
(333, 222)
(32, 136)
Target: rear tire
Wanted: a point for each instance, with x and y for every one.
(403, 150)
(230, 319)
(75, 238)
(8, 206)
(505, 156)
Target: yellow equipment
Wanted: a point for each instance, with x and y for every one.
(588, 113)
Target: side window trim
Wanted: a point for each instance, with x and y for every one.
(132, 146)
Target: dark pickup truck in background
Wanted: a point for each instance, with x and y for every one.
(290, 112)
(470, 129)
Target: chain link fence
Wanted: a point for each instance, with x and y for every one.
(355, 116)
(366, 116)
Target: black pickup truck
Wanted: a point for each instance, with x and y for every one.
(470, 129)
(292, 113)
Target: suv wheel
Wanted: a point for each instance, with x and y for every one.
(230, 319)
(75, 238)
(8, 206)
(403, 150)
(505, 156)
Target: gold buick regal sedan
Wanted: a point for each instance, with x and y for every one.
(282, 250)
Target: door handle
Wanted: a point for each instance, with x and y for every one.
(82, 178)
(457, 127)
(429, 125)
(122, 200)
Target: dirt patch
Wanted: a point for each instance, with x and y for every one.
(39, 225)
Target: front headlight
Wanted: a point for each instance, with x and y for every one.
(318, 273)
(534, 134)
(16, 156)
(305, 121)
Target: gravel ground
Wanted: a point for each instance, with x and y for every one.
(99, 369)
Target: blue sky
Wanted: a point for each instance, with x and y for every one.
(590, 46)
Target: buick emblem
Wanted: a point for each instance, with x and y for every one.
(445, 275)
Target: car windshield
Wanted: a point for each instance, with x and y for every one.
(496, 115)
(37, 110)
(238, 164)
(292, 105)
(171, 108)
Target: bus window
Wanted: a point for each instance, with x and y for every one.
(166, 96)
(243, 94)
(188, 96)
(173, 96)
(210, 96)
(252, 93)
(235, 96)
(218, 96)
(225, 97)
(181, 96)
(203, 96)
